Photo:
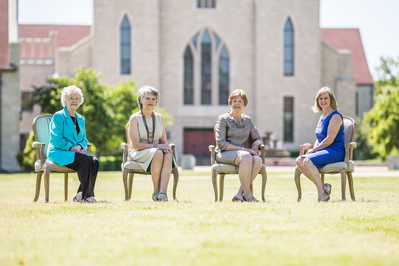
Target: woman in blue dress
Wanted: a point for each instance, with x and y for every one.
(330, 142)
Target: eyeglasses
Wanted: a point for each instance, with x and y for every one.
(74, 99)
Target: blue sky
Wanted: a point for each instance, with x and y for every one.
(377, 20)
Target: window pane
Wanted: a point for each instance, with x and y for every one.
(27, 101)
(125, 45)
(188, 77)
(288, 117)
(288, 48)
(206, 69)
(224, 62)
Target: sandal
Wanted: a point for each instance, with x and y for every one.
(250, 199)
(327, 188)
(78, 197)
(90, 200)
(237, 199)
(161, 193)
(154, 196)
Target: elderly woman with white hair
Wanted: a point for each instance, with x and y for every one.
(67, 145)
(148, 145)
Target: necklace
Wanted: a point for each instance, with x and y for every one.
(146, 127)
(329, 112)
(239, 124)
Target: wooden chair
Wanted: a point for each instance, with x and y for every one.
(344, 168)
(131, 167)
(222, 169)
(41, 129)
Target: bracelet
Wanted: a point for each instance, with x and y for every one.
(155, 145)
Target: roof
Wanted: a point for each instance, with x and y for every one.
(67, 35)
(350, 39)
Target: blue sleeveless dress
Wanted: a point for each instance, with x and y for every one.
(333, 153)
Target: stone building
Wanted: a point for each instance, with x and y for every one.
(9, 86)
(197, 51)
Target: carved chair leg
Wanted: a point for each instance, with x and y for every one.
(322, 178)
(343, 183)
(352, 190)
(38, 183)
(175, 181)
(66, 186)
(221, 186)
(124, 178)
(46, 184)
(264, 180)
(131, 176)
(215, 186)
(297, 178)
(251, 187)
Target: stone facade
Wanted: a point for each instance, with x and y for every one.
(252, 32)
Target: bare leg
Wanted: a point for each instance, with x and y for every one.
(156, 167)
(244, 161)
(256, 165)
(313, 174)
(165, 173)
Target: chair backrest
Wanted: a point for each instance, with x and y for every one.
(127, 131)
(41, 129)
(349, 129)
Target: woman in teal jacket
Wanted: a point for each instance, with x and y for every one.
(67, 145)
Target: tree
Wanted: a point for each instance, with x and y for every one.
(382, 121)
(105, 110)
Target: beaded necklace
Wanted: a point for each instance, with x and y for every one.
(146, 127)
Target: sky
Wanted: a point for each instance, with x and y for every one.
(377, 20)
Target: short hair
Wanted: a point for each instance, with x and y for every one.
(316, 107)
(238, 93)
(146, 90)
(68, 90)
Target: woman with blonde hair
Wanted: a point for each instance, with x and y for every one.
(330, 142)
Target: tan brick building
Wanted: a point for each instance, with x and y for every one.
(9, 86)
(197, 51)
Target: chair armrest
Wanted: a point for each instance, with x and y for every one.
(173, 148)
(39, 151)
(125, 148)
(305, 146)
(349, 151)
(213, 154)
(262, 152)
(88, 148)
(351, 145)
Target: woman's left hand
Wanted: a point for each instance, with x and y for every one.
(164, 147)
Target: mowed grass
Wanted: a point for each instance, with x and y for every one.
(196, 230)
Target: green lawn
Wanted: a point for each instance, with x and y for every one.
(196, 230)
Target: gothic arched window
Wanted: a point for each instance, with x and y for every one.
(206, 70)
(125, 46)
(288, 48)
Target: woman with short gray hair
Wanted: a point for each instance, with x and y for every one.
(148, 145)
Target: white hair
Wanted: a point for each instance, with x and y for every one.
(144, 91)
(68, 90)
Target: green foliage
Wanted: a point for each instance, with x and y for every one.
(364, 150)
(388, 73)
(382, 121)
(106, 110)
(27, 158)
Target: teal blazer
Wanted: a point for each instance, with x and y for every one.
(63, 136)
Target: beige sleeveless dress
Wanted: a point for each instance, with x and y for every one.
(144, 157)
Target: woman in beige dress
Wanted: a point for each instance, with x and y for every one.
(237, 141)
(148, 144)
